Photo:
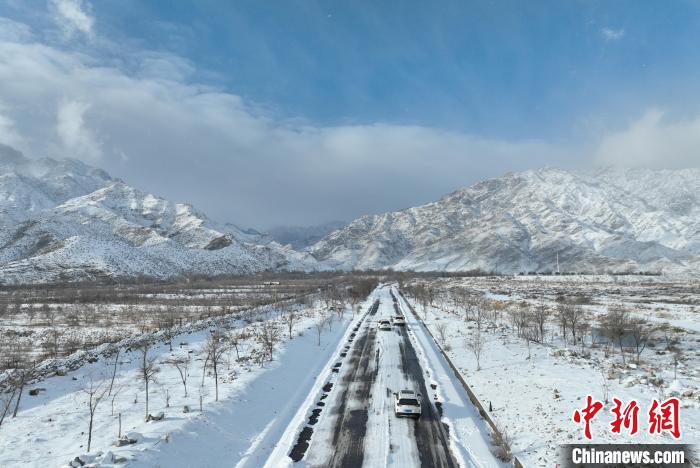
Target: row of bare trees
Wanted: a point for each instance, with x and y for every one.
(531, 322)
(264, 335)
(58, 312)
(619, 326)
(215, 349)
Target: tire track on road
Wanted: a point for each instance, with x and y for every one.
(351, 426)
(432, 436)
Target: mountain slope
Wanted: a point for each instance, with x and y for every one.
(28, 186)
(609, 220)
(65, 221)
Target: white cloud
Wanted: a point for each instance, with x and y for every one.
(72, 16)
(14, 31)
(77, 139)
(612, 34)
(274, 169)
(653, 141)
(197, 144)
(8, 131)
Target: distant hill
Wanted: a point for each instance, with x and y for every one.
(605, 220)
(65, 221)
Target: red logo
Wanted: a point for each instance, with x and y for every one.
(625, 417)
(665, 417)
(587, 414)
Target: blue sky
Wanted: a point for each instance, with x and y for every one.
(497, 68)
(304, 111)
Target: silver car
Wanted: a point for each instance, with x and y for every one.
(407, 403)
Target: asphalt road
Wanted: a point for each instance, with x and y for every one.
(360, 428)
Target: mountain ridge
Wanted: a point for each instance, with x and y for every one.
(63, 220)
(66, 221)
(599, 220)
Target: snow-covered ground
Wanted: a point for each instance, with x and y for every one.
(256, 403)
(535, 390)
(263, 406)
(36, 323)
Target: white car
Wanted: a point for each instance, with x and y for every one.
(399, 320)
(407, 403)
(384, 325)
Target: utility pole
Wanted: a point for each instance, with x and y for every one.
(558, 263)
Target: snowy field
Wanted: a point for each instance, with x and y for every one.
(264, 376)
(53, 321)
(270, 384)
(535, 385)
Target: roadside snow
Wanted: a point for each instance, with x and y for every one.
(305, 396)
(469, 434)
(534, 397)
(255, 405)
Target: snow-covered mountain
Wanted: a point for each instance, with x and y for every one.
(607, 220)
(28, 186)
(64, 220)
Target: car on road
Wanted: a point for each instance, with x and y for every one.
(384, 325)
(407, 403)
(398, 320)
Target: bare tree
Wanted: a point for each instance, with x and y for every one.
(49, 314)
(480, 313)
(615, 324)
(95, 392)
(169, 330)
(182, 364)
(442, 330)
(115, 392)
(584, 327)
(677, 356)
(148, 370)
(431, 292)
(529, 334)
(30, 313)
(574, 315)
(215, 348)
(476, 343)
(290, 319)
(320, 325)
(469, 303)
(50, 344)
(114, 371)
(267, 334)
(239, 341)
(20, 377)
(639, 331)
(5, 403)
(519, 318)
(670, 338)
(540, 315)
(424, 300)
(604, 385)
(562, 312)
(481, 308)
(329, 321)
